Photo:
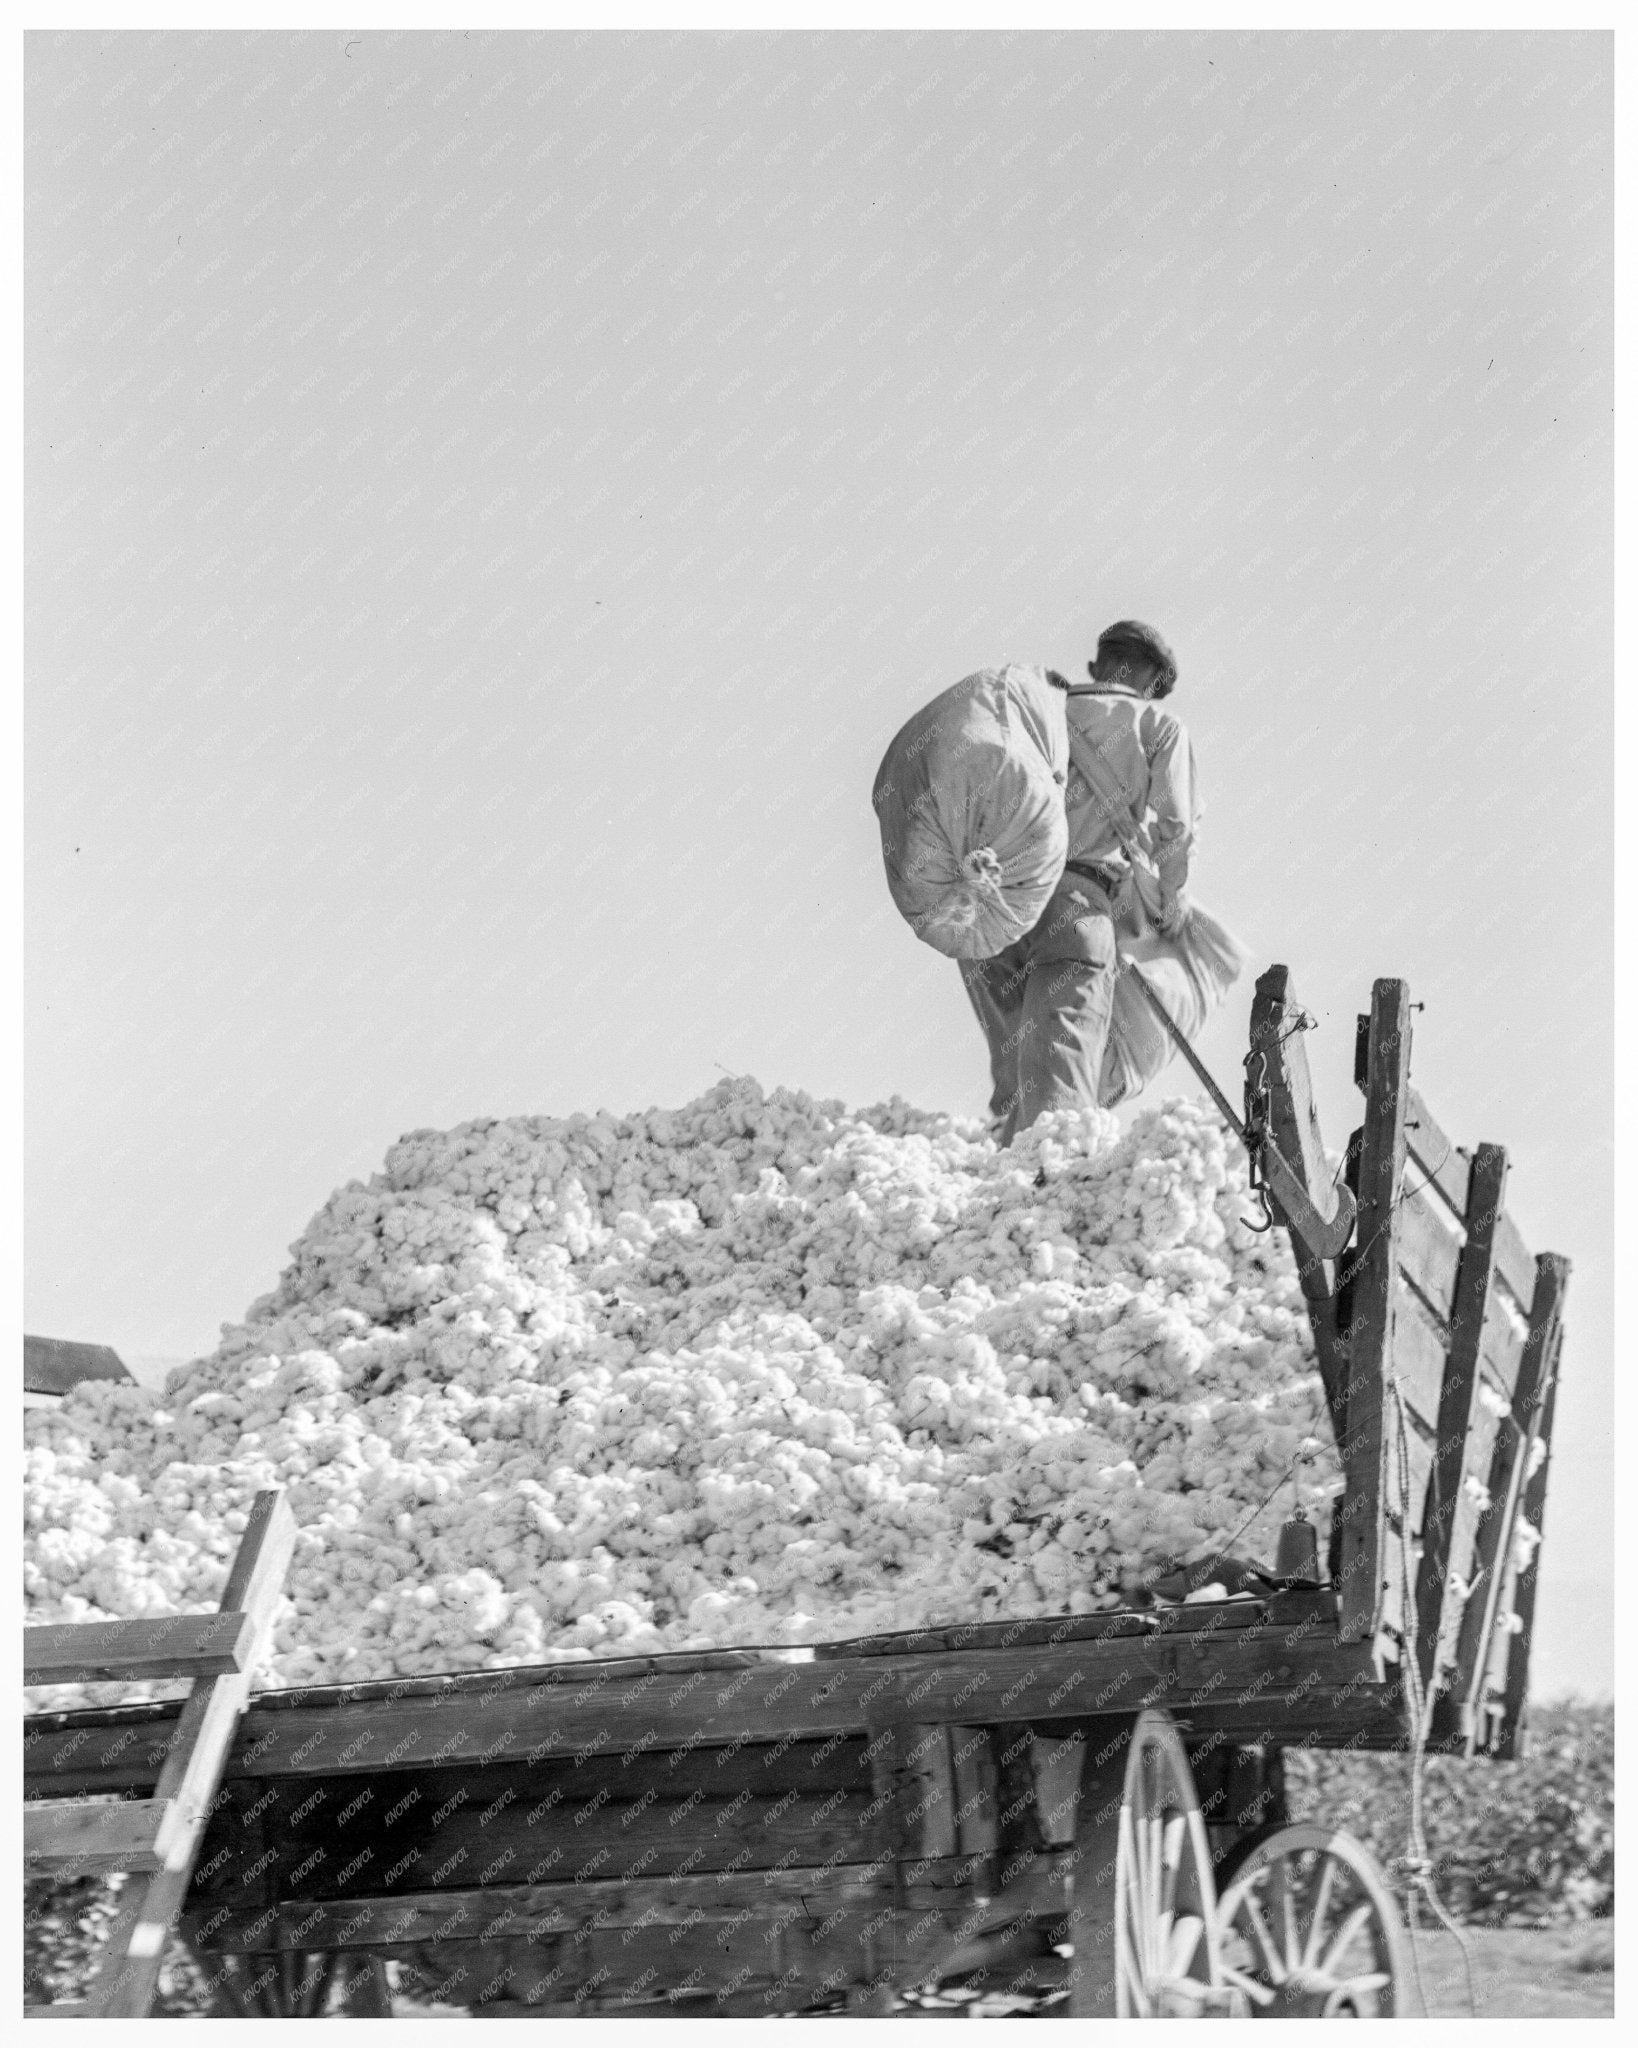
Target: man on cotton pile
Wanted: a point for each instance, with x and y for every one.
(1045, 1002)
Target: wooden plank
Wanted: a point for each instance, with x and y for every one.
(54, 1365)
(80, 1835)
(763, 1704)
(1374, 1271)
(1471, 1309)
(122, 1984)
(977, 1779)
(1437, 1161)
(1515, 1263)
(1534, 1509)
(981, 1635)
(149, 1646)
(1429, 1251)
(534, 1912)
(1418, 1356)
(1501, 1347)
(97, 1749)
(1456, 1712)
(1408, 1508)
(1279, 1056)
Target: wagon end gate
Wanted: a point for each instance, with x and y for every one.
(1438, 1339)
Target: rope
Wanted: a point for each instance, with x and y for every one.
(1416, 1864)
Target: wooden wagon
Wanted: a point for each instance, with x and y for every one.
(1090, 1805)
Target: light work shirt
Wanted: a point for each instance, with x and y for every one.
(1146, 751)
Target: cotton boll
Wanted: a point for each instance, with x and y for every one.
(755, 1369)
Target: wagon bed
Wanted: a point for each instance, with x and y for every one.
(777, 1830)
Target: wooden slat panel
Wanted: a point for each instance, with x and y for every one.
(1454, 1424)
(1279, 1055)
(1534, 1509)
(122, 1984)
(1436, 1160)
(1515, 1263)
(1418, 1357)
(1456, 1712)
(1371, 1308)
(1501, 1349)
(533, 1912)
(760, 1704)
(983, 1635)
(153, 1646)
(72, 1835)
(53, 1365)
(1429, 1251)
(1417, 1464)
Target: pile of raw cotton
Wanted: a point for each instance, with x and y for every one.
(757, 1371)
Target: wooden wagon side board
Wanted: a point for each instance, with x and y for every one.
(1484, 1189)
(1526, 1582)
(1363, 1563)
(1461, 1715)
(1279, 1059)
(1473, 1709)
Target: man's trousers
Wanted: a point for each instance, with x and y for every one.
(1045, 1005)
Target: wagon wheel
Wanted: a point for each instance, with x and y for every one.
(1309, 1929)
(1166, 1961)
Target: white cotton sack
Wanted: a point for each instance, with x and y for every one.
(970, 801)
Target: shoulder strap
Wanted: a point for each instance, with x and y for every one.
(1094, 770)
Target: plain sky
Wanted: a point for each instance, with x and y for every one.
(491, 498)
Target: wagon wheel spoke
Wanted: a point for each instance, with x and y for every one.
(1322, 1901)
(1272, 1958)
(1248, 1986)
(1346, 1937)
(1373, 1980)
(1287, 1907)
(1184, 1943)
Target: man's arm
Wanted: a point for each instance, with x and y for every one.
(1175, 802)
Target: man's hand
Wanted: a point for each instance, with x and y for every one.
(1172, 917)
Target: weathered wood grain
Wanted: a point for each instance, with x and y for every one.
(1371, 1311)
(149, 1646)
(1534, 1508)
(1454, 1423)
(1437, 1160)
(126, 1975)
(1418, 1356)
(1457, 1711)
(1295, 1128)
(1515, 1262)
(1430, 1251)
(73, 1836)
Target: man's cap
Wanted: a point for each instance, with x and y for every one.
(1141, 639)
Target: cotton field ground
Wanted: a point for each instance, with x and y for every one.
(758, 1370)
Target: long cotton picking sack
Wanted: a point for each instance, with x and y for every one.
(1191, 972)
(970, 800)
